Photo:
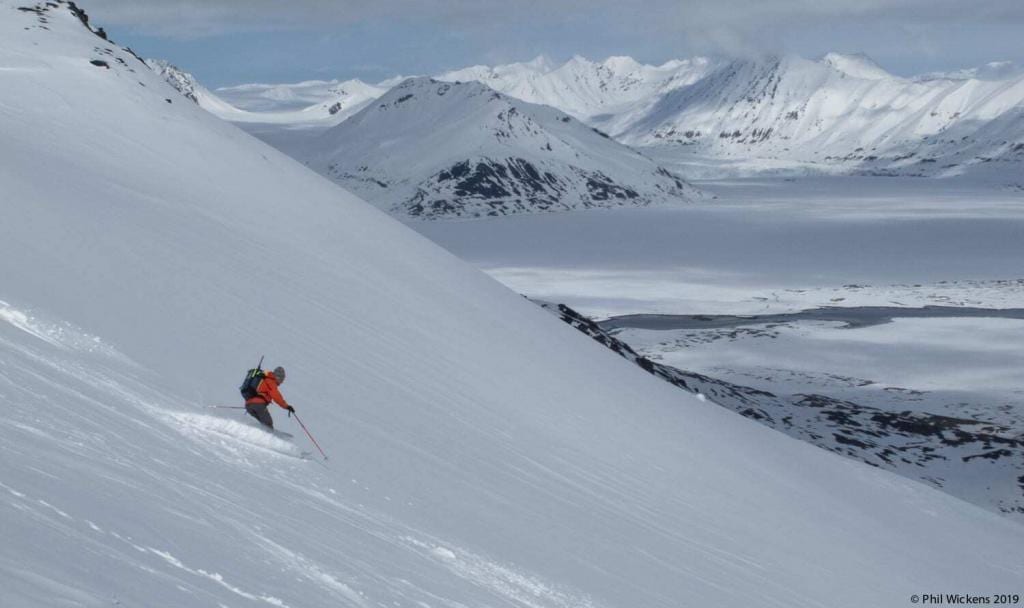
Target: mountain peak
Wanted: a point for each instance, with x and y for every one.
(462, 149)
(857, 65)
(440, 87)
(541, 63)
(578, 60)
(621, 63)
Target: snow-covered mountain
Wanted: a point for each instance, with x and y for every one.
(437, 149)
(482, 453)
(840, 113)
(841, 110)
(590, 91)
(321, 103)
(187, 84)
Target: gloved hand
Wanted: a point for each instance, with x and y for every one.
(291, 410)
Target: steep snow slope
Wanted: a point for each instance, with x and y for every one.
(482, 452)
(437, 149)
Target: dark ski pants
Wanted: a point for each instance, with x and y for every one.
(259, 412)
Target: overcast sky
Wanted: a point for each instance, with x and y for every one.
(226, 42)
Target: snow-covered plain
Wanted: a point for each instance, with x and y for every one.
(278, 98)
(950, 366)
(765, 245)
(482, 453)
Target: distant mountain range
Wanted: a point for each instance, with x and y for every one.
(294, 105)
(841, 113)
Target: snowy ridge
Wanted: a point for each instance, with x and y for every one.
(434, 149)
(331, 102)
(856, 65)
(482, 453)
(853, 118)
(842, 113)
(588, 90)
(182, 81)
(186, 84)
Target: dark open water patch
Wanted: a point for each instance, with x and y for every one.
(852, 317)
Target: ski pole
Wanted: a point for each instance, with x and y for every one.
(308, 435)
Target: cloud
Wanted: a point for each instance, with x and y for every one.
(425, 35)
(191, 18)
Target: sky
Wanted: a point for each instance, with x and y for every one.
(227, 42)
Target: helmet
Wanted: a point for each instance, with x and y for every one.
(279, 374)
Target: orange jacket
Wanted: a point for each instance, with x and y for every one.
(267, 392)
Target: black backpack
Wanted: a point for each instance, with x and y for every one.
(253, 377)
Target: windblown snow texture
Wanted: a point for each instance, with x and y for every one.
(482, 452)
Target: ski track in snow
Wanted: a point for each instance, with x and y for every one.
(235, 443)
(234, 439)
(504, 581)
(62, 335)
(106, 386)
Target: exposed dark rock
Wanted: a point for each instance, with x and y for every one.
(906, 442)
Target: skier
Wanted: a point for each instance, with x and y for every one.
(266, 392)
